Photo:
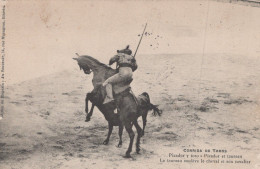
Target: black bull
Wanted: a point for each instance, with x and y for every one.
(129, 108)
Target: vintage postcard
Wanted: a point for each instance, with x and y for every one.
(130, 84)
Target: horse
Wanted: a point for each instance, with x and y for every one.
(113, 118)
(139, 106)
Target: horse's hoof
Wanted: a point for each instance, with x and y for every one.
(105, 142)
(138, 150)
(127, 156)
(87, 119)
(142, 134)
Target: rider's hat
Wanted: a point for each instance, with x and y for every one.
(125, 51)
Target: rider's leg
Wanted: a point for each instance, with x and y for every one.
(109, 96)
(125, 73)
(113, 79)
(108, 83)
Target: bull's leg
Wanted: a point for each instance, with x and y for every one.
(128, 127)
(144, 117)
(139, 132)
(121, 127)
(110, 128)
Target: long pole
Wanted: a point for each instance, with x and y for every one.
(140, 40)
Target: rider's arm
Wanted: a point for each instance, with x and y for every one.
(134, 65)
(113, 59)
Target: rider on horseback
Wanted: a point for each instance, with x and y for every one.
(126, 64)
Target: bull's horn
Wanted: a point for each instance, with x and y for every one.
(77, 54)
(75, 58)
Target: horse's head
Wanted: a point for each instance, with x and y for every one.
(85, 69)
(90, 64)
(84, 66)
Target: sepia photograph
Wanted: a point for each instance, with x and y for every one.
(118, 84)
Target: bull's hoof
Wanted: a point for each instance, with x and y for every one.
(87, 119)
(105, 142)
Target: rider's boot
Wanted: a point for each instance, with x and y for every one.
(109, 97)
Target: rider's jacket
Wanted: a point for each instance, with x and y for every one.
(124, 60)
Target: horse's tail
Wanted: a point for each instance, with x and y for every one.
(155, 109)
(144, 101)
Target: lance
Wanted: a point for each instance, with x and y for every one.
(140, 40)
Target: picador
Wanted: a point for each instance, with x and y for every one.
(126, 65)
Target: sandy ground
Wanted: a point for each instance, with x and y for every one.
(206, 104)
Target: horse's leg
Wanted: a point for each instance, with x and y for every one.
(86, 106)
(128, 127)
(139, 132)
(86, 102)
(144, 117)
(110, 128)
(121, 128)
(90, 113)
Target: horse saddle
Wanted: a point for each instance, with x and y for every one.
(141, 100)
